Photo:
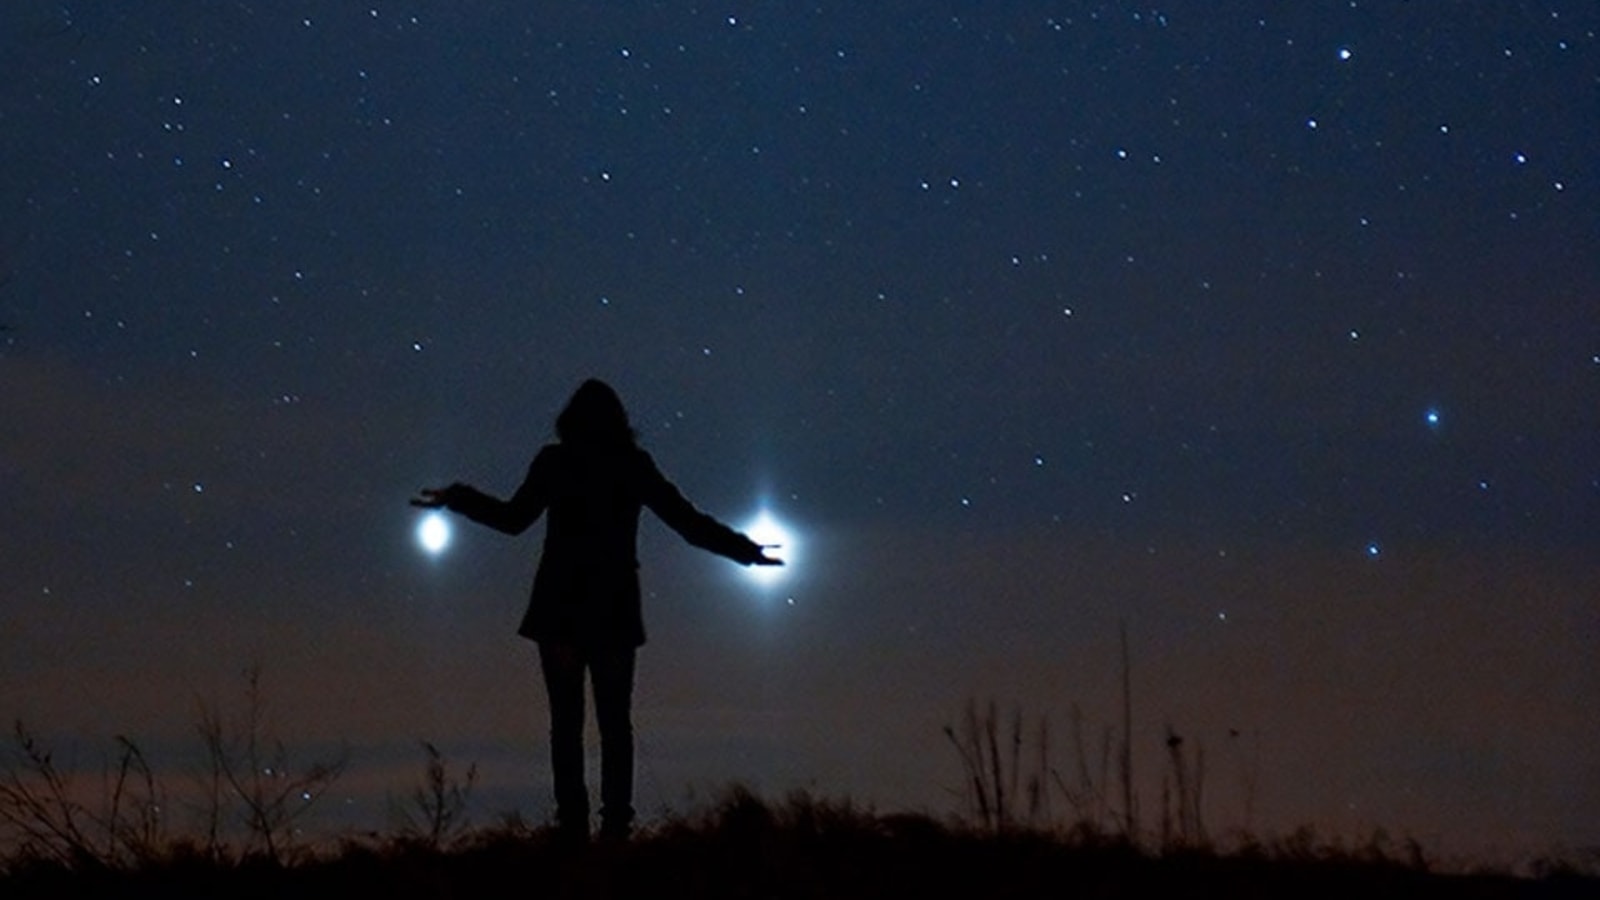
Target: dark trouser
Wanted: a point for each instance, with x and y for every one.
(611, 672)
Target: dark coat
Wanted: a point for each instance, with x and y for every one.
(586, 591)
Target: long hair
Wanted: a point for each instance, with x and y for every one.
(594, 417)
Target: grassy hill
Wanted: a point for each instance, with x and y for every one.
(799, 848)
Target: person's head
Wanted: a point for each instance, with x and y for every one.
(594, 417)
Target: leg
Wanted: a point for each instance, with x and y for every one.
(612, 671)
(563, 682)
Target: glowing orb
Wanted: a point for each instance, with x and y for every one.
(766, 529)
(433, 533)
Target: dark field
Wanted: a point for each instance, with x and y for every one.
(801, 848)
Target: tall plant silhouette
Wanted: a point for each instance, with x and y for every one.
(249, 770)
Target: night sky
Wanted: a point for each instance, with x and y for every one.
(1270, 331)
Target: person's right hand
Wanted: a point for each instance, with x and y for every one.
(762, 559)
(433, 498)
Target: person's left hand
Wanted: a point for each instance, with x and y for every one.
(762, 559)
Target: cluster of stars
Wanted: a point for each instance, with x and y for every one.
(289, 151)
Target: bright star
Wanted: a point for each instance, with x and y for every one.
(433, 533)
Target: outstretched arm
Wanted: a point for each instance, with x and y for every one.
(510, 516)
(698, 528)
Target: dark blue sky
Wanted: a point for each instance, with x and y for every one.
(1270, 331)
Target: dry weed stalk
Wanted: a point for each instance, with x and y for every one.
(1100, 799)
(1002, 796)
(1182, 793)
(41, 806)
(436, 810)
(249, 767)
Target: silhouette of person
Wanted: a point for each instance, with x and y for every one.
(584, 611)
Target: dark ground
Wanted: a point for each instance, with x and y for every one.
(802, 849)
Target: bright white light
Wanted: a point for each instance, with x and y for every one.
(766, 529)
(433, 533)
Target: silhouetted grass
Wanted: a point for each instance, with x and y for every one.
(800, 847)
(59, 839)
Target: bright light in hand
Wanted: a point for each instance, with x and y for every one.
(433, 533)
(766, 529)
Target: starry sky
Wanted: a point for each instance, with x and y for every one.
(1269, 332)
